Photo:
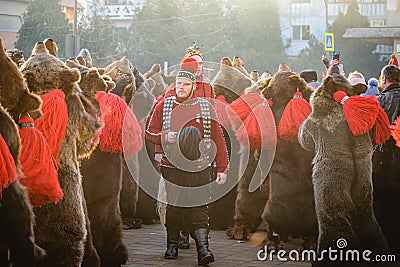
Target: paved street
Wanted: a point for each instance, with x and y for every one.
(147, 246)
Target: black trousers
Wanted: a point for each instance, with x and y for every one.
(188, 218)
(386, 182)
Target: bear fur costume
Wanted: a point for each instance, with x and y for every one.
(90, 83)
(229, 82)
(104, 202)
(17, 242)
(249, 206)
(61, 228)
(290, 206)
(342, 172)
(138, 96)
(102, 185)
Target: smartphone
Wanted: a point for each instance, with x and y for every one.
(336, 55)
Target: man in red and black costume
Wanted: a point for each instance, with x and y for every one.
(188, 124)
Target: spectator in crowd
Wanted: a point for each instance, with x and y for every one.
(386, 164)
(372, 88)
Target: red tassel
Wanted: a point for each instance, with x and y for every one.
(8, 171)
(382, 127)
(360, 112)
(395, 131)
(296, 111)
(37, 163)
(258, 129)
(121, 131)
(53, 124)
(242, 107)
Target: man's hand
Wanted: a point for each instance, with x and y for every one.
(221, 178)
(158, 157)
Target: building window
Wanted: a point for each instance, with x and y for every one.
(340, 1)
(377, 22)
(115, 2)
(301, 32)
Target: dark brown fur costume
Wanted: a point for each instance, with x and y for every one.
(16, 216)
(102, 185)
(342, 172)
(249, 205)
(290, 206)
(61, 228)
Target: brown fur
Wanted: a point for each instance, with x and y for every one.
(14, 93)
(61, 228)
(91, 81)
(122, 66)
(17, 245)
(290, 206)
(342, 172)
(86, 58)
(102, 186)
(238, 64)
(51, 46)
(230, 82)
(156, 68)
(44, 72)
(249, 205)
(254, 76)
(227, 62)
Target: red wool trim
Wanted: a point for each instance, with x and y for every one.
(8, 171)
(382, 127)
(360, 112)
(38, 166)
(242, 107)
(121, 131)
(53, 124)
(296, 111)
(395, 131)
(258, 129)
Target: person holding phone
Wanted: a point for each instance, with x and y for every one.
(335, 61)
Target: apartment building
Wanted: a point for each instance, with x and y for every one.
(11, 12)
(301, 18)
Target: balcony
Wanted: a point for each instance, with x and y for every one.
(371, 10)
(119, 12)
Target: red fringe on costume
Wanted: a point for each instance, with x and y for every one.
(8, 171)
(121, 131)
(382, 127)
(242, 107)
(395, 131)
(53, 124)
(360, 112)
(258, 129)
(296, 111)
(41, 177)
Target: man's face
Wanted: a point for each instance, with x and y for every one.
(184, 88)
(383, 82)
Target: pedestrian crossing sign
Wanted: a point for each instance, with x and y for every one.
(329, 42)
